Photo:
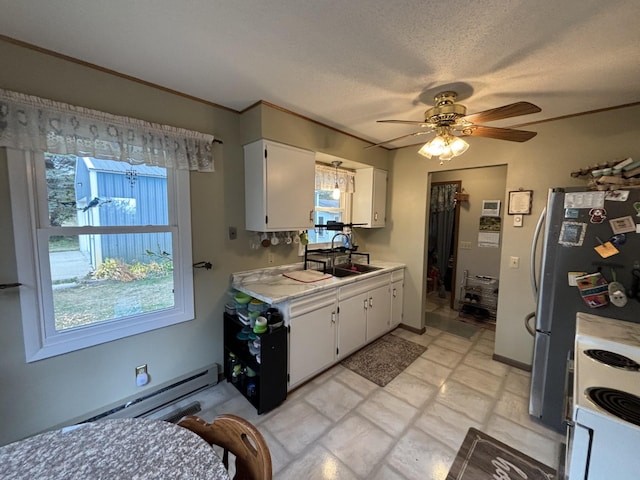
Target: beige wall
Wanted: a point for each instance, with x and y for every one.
(560, 147)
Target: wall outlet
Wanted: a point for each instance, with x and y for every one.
(514, 262)
(270, 258)
(142, 376)
(233, 233)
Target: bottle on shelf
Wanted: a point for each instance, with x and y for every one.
(237, 377)
(232, 361)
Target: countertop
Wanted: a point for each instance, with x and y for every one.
(618, 335)
(271, 286)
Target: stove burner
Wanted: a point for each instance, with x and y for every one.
(621, 404)
(613, 359)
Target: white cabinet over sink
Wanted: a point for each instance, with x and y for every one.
(279, 187)
(370, 198)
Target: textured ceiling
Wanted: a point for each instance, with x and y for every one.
(348, 63)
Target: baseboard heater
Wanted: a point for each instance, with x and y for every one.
(149, 403)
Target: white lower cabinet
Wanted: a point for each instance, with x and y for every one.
(397, 297)
(326, 327)
(364, 312)
(352, 323)
(312, 335)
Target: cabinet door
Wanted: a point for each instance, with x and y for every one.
(290, 187)
(312, 343)
(379, 201)
(378, 312)
(279, 187)
(352, 324)
(397, 295)
(370, 197)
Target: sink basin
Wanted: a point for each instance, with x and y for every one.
(350, 269)
(341, 272)
(357, 267)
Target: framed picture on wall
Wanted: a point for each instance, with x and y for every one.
(491, 208)
(520, 202)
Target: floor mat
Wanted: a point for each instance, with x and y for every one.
(451, 325)
(483, 457)
(384, 359)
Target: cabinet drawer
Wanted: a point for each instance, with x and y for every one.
(397, 275)
(363, 286)
(311, 302)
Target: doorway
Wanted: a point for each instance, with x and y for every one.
(444, 218)
(469, 256)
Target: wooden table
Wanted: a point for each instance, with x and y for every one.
(113, 449)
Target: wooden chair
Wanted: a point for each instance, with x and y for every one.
(238, 436)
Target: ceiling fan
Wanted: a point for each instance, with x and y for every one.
(450, 122)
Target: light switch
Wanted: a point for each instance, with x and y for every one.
(514, 262)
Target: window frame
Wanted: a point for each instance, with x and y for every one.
(346, 200)
(28, 192)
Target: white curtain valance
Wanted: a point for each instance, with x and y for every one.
(326, 178)
(32, 123)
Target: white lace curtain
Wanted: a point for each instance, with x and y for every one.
(32, 123)
(326, 178)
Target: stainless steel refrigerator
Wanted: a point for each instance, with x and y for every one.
(582, 231)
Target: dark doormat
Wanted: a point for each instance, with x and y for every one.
(450, 324)
(483, 457)
(382, 360)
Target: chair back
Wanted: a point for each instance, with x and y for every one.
(238, 436)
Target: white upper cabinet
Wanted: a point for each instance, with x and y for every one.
(370, 198)
(279, 182)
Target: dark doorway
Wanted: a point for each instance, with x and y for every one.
(444, 215)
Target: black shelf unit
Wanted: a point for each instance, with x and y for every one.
(271, 372)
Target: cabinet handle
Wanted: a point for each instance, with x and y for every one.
(365, 303)
(311, 215)
(371, 302)
(333, 317)
(395, 293)
(375, 216)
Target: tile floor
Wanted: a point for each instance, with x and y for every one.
(342, 426)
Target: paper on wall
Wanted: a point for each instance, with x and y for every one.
(488, 239)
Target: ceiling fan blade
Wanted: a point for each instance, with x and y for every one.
(509, 134)
(399, 138)
(506, 111)
(407, 122)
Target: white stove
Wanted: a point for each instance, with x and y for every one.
(604, 439)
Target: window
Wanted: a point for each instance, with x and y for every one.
(329, 209)
(103, 249)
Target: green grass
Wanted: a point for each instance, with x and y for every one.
(89, 303)
(63, 244)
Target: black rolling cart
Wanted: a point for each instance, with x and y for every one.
(268, 388)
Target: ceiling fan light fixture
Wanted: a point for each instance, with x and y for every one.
(434, 147)
(458, 146)
(447, 154)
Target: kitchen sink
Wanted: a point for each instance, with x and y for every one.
(349, 269)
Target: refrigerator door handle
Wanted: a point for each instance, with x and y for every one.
(534, 248)
(527, 319)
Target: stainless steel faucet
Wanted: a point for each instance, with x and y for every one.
(333, 251)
